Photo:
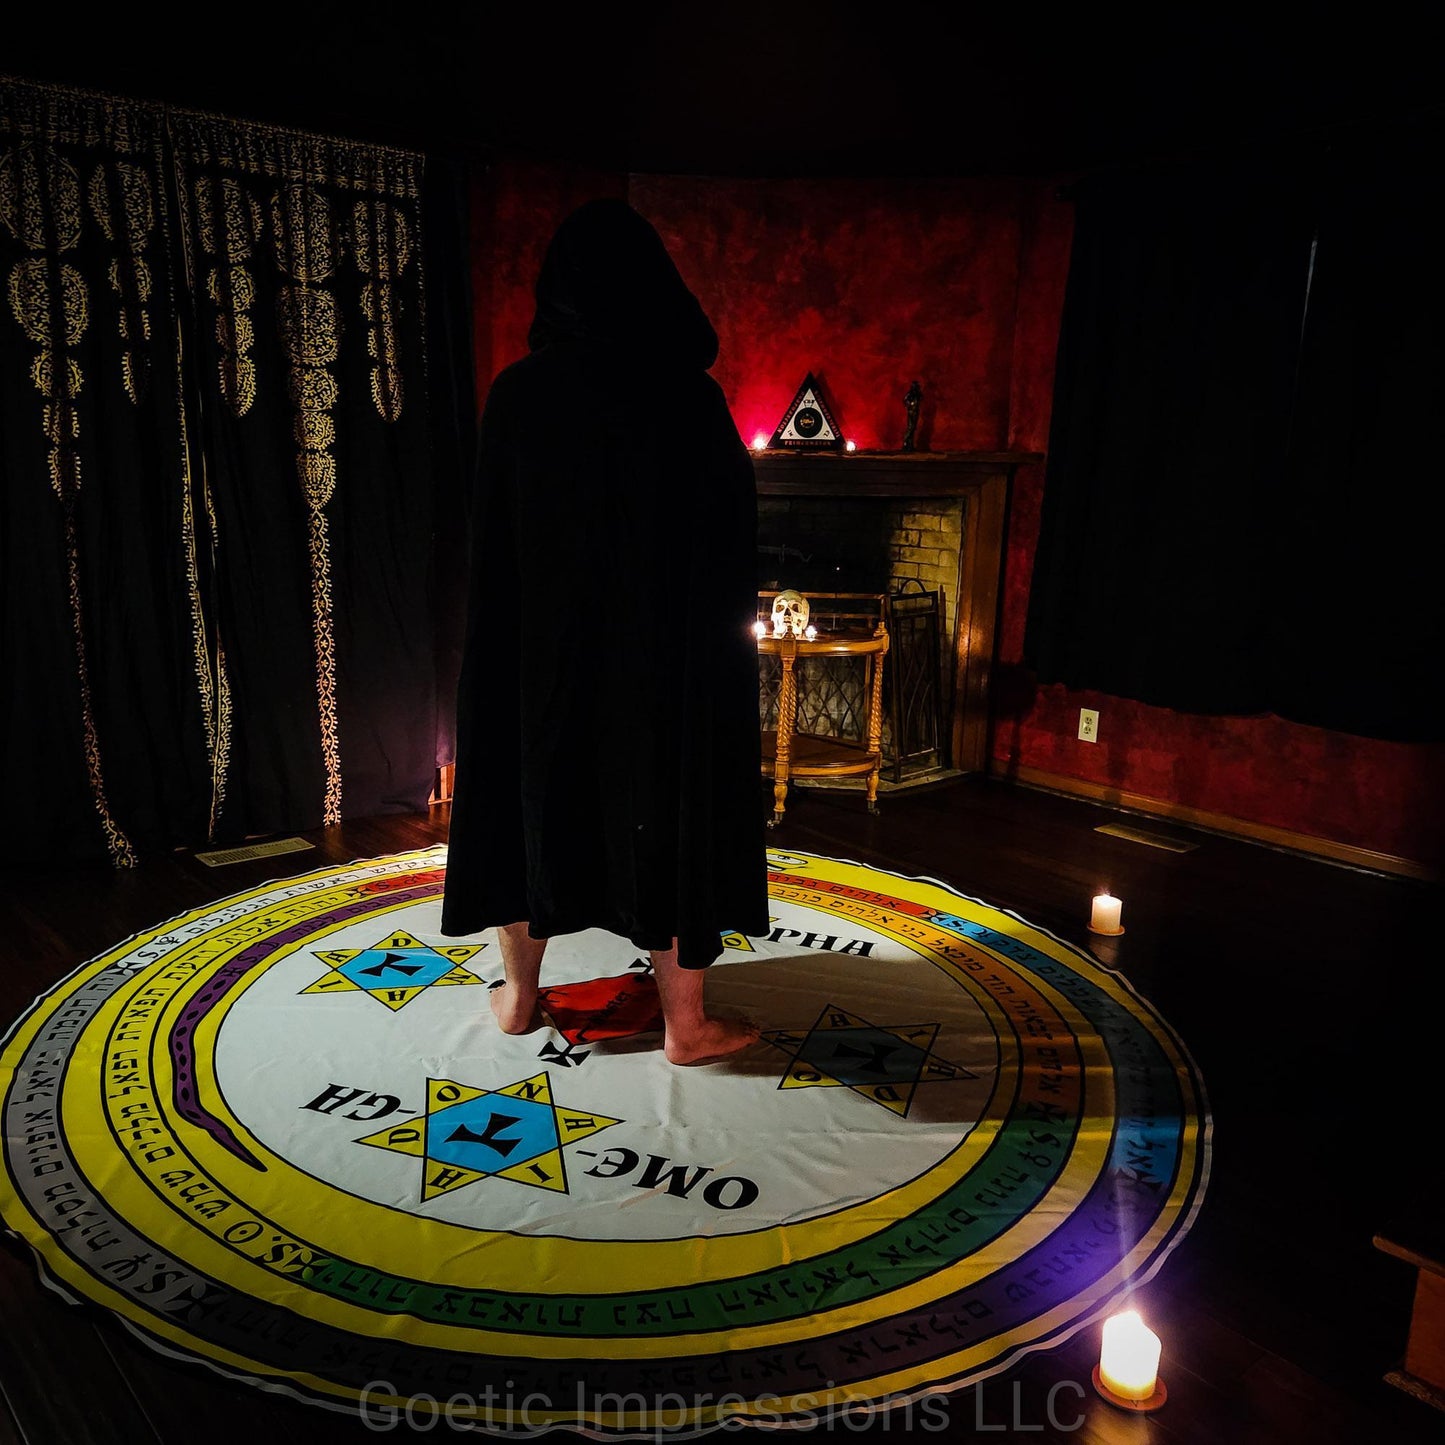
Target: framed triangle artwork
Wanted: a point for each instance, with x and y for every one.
(808, 421)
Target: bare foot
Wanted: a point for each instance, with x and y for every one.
(514, 1016)
(715, 1039)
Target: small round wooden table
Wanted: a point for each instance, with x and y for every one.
(787, 753)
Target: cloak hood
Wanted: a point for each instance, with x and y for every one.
(607, 277)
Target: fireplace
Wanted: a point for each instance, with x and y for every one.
(902, 524)
(906, 549)
(927, 530)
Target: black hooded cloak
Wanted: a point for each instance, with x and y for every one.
(607, 724)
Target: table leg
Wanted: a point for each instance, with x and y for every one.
(787, 721)
(875, 727)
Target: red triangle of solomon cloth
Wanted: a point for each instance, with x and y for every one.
(604, 1008)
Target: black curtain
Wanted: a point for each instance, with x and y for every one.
(1357, 614)
(451, 375)
(1233, 518)
(224, 463)
(306, 265)
(1175, 367)
(105, 653)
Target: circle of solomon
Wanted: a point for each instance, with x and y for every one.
(283, 1134)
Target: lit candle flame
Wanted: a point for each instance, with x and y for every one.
(760, 443)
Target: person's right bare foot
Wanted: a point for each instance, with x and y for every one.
(715, 1039)
(514, 1016)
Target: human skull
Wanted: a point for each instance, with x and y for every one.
(790, 613)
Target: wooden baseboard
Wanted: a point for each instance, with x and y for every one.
(1112, 797)
(1420, 1389)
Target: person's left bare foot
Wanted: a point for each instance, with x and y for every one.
(712, 1040)
(514, 1015)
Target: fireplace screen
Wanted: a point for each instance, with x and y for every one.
(912, 685)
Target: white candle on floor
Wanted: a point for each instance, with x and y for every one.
(1107, 910)
(1129, 1360)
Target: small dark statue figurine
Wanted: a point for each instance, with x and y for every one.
(911, 398)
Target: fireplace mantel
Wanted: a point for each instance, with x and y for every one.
(882, 474)
(980, 480)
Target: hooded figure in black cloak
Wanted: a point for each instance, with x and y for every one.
(607, 728)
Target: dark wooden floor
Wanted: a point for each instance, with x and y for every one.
(1306, 992)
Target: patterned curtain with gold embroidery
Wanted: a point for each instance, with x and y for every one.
(304, 260)
(217, 528)
(108, 691)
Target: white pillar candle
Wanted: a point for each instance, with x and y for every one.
(1129, 1360)
(1106, 912)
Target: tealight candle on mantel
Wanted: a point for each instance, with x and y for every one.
(1128, 1369)
(1105, 915)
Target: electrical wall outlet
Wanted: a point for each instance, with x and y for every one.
(1088, 724)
